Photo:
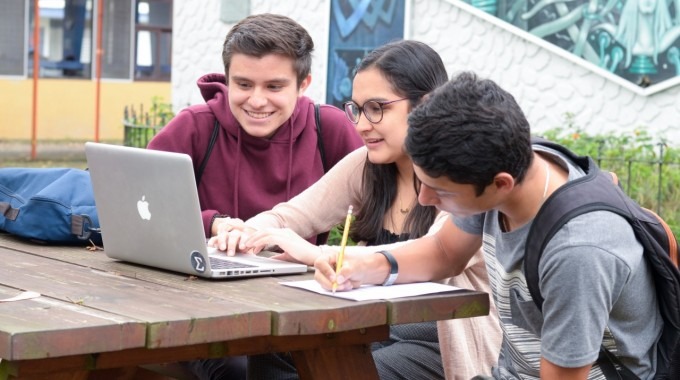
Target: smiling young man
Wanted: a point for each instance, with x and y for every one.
(266, 150)
(471, 148)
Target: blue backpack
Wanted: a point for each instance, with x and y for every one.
(52, 205)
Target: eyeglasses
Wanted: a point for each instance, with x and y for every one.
(373, 110)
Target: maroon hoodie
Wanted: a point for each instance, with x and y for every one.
(246, 175)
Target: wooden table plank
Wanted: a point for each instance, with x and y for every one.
(289, 313)
(186, 318)
(140, 356)
(439, 306)
(173, 316)
(291, 307)
(30, 328)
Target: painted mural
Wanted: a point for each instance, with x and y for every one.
(357, 27)
(635, 39)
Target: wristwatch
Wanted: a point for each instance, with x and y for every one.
(394, 268)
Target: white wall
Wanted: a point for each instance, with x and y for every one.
(546, 82)
(198, 35)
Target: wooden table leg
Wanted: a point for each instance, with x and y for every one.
(345, 362)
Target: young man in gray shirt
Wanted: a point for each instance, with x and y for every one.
(472, 153)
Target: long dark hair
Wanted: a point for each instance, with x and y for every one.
(414, 69)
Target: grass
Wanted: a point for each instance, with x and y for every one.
(49, 154)
(44, 163)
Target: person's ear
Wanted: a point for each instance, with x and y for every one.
(504, 182)
(304, 84)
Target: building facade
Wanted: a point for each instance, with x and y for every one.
(556, 58)
(80, 94)
(547, 81)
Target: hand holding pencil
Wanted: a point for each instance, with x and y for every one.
(343, 244)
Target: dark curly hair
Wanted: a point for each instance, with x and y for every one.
(469, 130)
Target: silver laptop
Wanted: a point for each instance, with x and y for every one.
(149, 214)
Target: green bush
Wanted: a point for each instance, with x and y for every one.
(335, 236)
(647, 168)
(141, 126)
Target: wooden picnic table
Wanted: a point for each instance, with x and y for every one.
(95, 314)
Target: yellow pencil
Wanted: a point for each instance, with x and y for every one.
(343, 244)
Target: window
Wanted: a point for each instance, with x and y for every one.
(65, 38)
(136, 39)
(12, 37)
(117, 32)
(153, 31)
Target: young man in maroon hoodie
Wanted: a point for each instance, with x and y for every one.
(266, 150)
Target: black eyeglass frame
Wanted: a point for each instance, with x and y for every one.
(381, 104)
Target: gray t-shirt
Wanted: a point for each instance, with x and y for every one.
(597, 287)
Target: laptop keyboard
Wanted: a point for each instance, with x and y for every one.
(216, 263)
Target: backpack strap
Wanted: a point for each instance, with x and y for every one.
(8, 212)
(582, 161)
(606, 362)
(562, 205)
(597, 190)
(322, 237)
(322, 151)
(216, 132)
(568, 202)
(211, 144)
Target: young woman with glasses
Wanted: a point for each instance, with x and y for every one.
(378, 181)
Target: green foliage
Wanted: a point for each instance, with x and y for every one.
(647, 169)
(161, 111)
(141, 126)
(158, 115)
(335, 236)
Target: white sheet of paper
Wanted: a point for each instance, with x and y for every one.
(373, 292)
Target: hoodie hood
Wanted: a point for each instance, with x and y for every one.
(245, 175)
(254, 157)
(215, 93)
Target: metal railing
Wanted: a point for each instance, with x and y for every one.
(660, 192)
(632, 168)
(138, 135)
(140, 126)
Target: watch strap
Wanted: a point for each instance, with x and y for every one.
(394, 268)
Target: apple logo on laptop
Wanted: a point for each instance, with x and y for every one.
(143, 209)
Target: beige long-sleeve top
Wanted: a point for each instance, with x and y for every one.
(469, 346)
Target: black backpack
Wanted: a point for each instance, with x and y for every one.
(599, 190)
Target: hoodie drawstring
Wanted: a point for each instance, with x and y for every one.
(237, 171)
(290, 162)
